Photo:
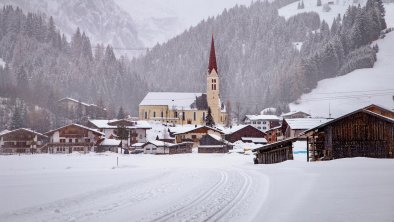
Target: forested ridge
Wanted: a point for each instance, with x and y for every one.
(259, 66)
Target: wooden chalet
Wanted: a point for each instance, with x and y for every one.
(22, 141)
(275, 152)
(236, 133)
(73, 138)
(274, 134)
(195, 134)
(214, 144)
(367, 132)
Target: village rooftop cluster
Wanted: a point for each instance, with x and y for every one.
(175, 123)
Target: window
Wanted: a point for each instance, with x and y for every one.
(264, 127)
(146, 115)
(162, 114)
(194, 136)
(258, 127)
(258, 122)
(183, 116)
(70, 140)
(213, 84)
(175, 114)
(194, 116)
(264, 122)
(87, 140)
(76, 140)
(62, 140)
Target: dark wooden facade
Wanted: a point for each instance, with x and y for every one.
(362, 133)
(247, 131)
(209, 144)
(22, 141)
(275, 152)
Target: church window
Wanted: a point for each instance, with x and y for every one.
(154, 114)
(183, 116)
(146, 115)
(194, 116)
(162, 114)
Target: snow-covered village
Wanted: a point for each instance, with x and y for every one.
(199, 110)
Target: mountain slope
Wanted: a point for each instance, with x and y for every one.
(103, 20)
(358, 88)
(339, 7)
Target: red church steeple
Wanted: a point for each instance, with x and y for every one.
(212, 58)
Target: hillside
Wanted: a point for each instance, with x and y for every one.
(102, 20)
(358, 88)
(339, 7)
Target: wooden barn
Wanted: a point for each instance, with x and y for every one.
(367, 132)
(236, 133)
(22, 141)
(213, 144)
(275, 152)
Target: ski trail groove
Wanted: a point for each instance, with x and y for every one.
(196, 201)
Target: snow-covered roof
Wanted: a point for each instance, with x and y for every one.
(159, 143)
(233, 129)
(174, 100)
(137, 144)
(305, 123)
(4, 132)
(78, 125)
(262, 117)
(292, 113)
(195, 128)
(105, 124)
(74, 100)
(254, 139)
(110, 142)
(181, 129)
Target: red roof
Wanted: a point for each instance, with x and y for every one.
(212, 58)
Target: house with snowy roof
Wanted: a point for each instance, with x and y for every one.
(73, 138)
(187, 107)
(70, 107)
(294, 127)
(243, 132)
(136, 129)
(262, 122)
(22, 141)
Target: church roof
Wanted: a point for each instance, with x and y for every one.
(212, 58)
(174, 100)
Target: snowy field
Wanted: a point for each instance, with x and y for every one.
(193, 187)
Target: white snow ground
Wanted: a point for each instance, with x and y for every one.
(359, 88)
(339, 7)
(192, 187)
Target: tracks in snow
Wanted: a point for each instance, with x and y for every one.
(216, 203)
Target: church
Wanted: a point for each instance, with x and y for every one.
(187, 108)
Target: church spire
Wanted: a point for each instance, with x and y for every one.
(212, 58)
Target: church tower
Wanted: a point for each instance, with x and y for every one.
(213, 98)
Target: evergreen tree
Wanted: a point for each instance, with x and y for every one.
(121, 113)
(16, 121)
(318, 3)
(209, 119)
